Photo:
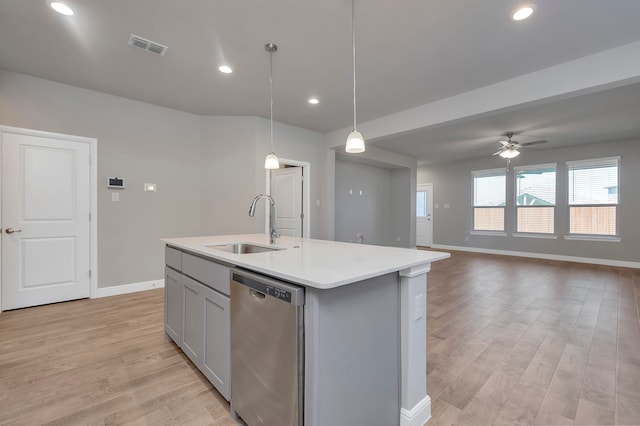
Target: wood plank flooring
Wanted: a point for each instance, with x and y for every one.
(524, 341)
(100, 362)
(510, 341)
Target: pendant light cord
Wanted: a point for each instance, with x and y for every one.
(353, 44)
(271, 96)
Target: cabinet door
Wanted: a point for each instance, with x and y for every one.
(193, 320)
(216, 359)
(173, 305)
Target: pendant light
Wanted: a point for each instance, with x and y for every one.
(271, 162)
(355, 141)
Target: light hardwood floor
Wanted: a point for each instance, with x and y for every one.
(100, 362)
(523, 341)
(510, 341)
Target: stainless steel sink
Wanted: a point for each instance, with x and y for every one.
(244, 248)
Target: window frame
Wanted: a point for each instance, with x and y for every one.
(595, 237)
(516, 207)
(488, 173)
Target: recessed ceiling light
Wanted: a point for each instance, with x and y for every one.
(523, 12)
(61, 8)
(313, 101)
(225, 69)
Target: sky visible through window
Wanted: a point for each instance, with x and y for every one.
(598, 185)
(421, 204)
(489, 191)
(536, 187)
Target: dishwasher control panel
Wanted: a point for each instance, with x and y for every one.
(278, 293)
(281, 291)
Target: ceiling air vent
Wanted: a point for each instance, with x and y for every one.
(148, 45)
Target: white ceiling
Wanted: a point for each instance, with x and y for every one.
(608, 115)
(410, 53)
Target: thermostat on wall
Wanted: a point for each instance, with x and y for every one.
(115, 182)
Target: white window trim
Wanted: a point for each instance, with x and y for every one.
(540, 235)
(593, 161)
(489, 233)
(547, 235)
(488, 173)
(595, 237)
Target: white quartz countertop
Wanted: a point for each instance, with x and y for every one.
(315, 263)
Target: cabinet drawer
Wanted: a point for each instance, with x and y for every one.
(207, 272)
(173, 258)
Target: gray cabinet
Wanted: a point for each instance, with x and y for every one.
(193, 320)
(173, 305)
(216, 363)
(197, 314)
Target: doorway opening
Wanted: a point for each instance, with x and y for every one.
(291, 187)
(424, 215)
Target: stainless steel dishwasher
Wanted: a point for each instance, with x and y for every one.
(267, 350)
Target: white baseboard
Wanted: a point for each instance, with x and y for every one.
(418, 415)
(590, 260)
(128, 288)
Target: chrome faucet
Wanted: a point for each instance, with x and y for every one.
(273, 233)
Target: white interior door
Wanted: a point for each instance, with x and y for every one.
(286, 190)
(424, 215)
(45, 220)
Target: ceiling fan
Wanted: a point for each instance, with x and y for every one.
(509, 148)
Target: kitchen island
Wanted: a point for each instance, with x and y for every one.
(364, 321)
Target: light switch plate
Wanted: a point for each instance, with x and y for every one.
(115, 196)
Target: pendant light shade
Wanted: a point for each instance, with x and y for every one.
(355, 141)
(271, 161)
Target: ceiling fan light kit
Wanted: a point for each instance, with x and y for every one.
(509, 153)
(510, 149)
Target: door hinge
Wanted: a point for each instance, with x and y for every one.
(302, 178)
(301, 215)
(89, 217)
(90, 160)
(89, 273)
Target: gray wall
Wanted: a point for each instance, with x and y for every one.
(232, 159)
(207, 169)
(369, 213)
(384, 214)
(136, 141)
(452, 185)
(403, 207)
(228, 175)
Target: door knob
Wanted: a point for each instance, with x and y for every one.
(11, 230)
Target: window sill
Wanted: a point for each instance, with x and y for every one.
(534, 235)
(606, 238)
(489, 233)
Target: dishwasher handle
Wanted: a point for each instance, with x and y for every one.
(257, 294)
(269, 287)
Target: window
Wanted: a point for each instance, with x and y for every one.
(593, 196)
(489, 189)
(421, 204)
(535, 198)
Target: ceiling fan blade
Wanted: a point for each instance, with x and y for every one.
(534, 142)
(498, 152)
(505, 143)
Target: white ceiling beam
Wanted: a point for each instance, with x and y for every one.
(589, 74)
